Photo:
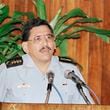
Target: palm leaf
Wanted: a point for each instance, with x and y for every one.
(5, 39)
(88, 20)
(104, 34)
(104, 37)
(63, 48)
(59, 39)
(4, 10)
(4, 31)
(56, 18)
(73, 13)
(96, 30)
(64, 28)
(17, 15)
(40, 8)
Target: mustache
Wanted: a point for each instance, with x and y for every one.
(46, 47)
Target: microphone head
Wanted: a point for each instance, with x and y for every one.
(71, 75)
(50, 77)
(68, 74)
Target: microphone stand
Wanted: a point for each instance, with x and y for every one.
(50, 76)
(49, 88)
(82, 93)
(79, 83)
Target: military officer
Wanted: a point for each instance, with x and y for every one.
(26, 79)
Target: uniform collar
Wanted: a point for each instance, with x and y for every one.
(27, 61)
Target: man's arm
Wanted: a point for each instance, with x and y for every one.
(2, 82)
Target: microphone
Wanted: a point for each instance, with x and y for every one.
(79, 83)
(50, 77)
(71, 75)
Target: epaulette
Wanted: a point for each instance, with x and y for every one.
(67, 60)
(14, 62)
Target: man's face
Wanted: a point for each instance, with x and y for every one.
(40, 44)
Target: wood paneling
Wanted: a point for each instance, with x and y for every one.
(90, 51)
(106, 58)
(11, 106)
(96, 51)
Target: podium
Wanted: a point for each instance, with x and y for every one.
(18, 106)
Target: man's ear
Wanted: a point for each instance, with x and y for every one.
(54, 45)
(25, 47)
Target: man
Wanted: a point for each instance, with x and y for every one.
(39, 77)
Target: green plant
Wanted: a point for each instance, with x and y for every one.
(9, 46)
(10, 33)
(81, 22)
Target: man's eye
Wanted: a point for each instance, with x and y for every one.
(50, 36)
(37, 38)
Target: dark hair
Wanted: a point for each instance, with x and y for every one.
(33, 23)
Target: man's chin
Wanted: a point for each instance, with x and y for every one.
(46, 56)
(45, 60)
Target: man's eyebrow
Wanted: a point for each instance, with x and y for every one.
(51, 34)
(37, 35)
(44, 35)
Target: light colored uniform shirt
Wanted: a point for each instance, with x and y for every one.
(26, 84)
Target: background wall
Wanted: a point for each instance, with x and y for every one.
(90, 51)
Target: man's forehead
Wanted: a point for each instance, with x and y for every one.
(40, 29)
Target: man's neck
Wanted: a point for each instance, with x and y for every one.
(42, 65)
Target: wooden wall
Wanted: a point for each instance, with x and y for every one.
(90, 51)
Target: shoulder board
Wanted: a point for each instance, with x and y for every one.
(14, 62)
(67, 60)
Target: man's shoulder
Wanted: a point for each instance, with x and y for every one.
(2, 67)
(67, 60)
(17, 61)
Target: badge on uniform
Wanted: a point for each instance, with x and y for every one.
(23, 85)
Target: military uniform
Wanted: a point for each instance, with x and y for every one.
(24, 82)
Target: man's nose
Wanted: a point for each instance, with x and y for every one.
(45, 41)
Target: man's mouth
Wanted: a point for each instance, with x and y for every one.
(45, 49)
